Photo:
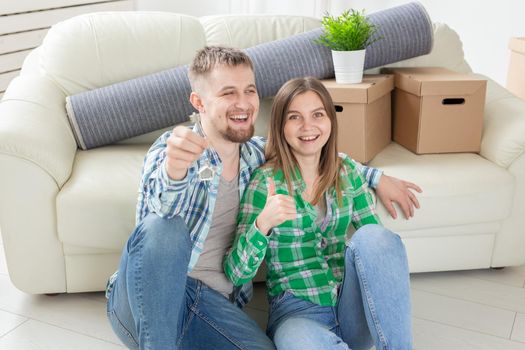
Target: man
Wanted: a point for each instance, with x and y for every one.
(171, 291)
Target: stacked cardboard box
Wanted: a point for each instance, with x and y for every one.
(436, 110)
(432, 110)
(363, 115)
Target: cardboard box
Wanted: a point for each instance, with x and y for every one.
(363, 115)
(516, 73)
(435, 110)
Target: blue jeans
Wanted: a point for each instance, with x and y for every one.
(155, 305)
(373, 307)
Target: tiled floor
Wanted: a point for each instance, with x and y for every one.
(482, 309)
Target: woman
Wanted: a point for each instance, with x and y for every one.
(325, 291)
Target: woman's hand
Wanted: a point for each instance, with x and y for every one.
(392, 190)
(278, 209)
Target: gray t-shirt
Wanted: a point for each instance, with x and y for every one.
(220, 238)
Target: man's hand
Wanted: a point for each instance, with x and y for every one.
(391, 189)
(277, 210)
(183, 147)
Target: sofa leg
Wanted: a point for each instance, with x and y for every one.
(497, 268)
(52, 294)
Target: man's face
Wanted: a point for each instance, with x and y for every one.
(230, 103)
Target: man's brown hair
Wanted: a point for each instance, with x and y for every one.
(209, 57)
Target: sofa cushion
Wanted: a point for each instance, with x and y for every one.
(97, 210)
(96, 206)
(99, 49)
(245, 31)
(458, 189)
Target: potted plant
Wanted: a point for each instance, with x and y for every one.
(347, 36)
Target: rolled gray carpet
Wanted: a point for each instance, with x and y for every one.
(116, 112)
(119, 111)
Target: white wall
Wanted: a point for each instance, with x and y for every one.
(485, 26)
(313, 8)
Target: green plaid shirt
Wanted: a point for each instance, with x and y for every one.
(303, 257)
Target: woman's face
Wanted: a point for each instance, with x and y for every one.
(307, 126)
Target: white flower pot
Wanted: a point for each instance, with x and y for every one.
(348, 66)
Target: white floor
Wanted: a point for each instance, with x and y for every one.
(482, 309)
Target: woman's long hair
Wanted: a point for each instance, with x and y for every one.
(279, 154)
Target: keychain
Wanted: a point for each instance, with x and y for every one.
(207, 171)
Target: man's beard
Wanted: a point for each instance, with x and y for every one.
(238, 136)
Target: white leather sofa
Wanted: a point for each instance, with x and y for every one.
(65, 214)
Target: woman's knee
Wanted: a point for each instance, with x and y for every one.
(302, 333)
(374, 244)
(376, 236)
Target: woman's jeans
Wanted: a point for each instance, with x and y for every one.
(373, 305)
(154, 305)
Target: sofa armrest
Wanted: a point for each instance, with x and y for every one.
(503, 139)
(503, 143)
(37, 150)
(34, 126)
(34, 255)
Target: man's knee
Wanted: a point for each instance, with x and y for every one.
(162, 234)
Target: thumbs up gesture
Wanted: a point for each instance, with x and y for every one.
(278, 209)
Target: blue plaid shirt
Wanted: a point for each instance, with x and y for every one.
(193, 199)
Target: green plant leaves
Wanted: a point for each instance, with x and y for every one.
(348, 32)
